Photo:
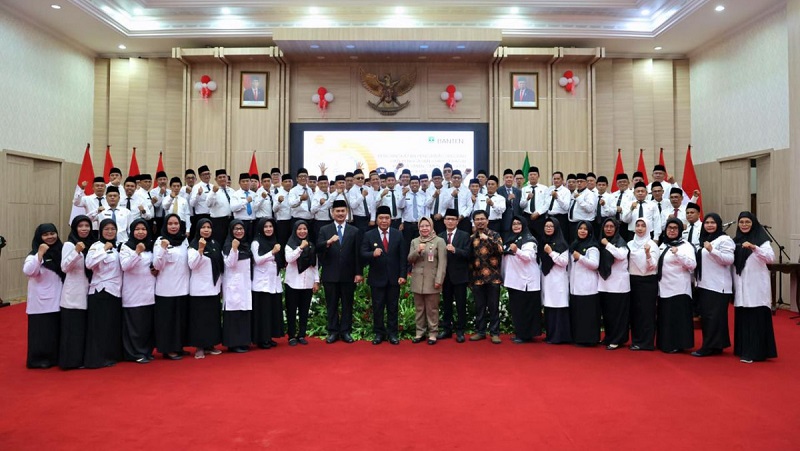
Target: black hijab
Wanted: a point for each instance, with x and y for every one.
(266, 243)
(103, 225)
(557, 243)
(757, 236)
(176, 239)
(670, 242)
(133, 242)
(518, 238)
(705, 236)
(87, 242)
(308, 257)
(244, 243)
(606, 258)
(583, 245)
(52, 257)
(212, 250)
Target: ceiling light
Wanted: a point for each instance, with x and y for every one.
(514, 10)
(320, 57)
(456, 57)
(423, 57)
(122, 47)
(137, 11)
(645, 12)
(353, 57)
(313, 10)
(55, 6)
(423, 46)
(657, 48)
(719, 8)
(314, 46)
(225, 10)
(350, 46)
(399, 10)
(461, 46)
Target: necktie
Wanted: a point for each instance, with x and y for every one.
(416, 213)
(366, 207)
(449, 237)
(175, 205)
(532, 206)
(659, 208)
(249, 207)
(225, 190)
(436, 205)
(208, 187)
(385, 242)
(572, 208)
(598, 214)
(128, 203)
(276, 190)
(99, 201)
(394, 204)
(521, 96)
(676, 213)
(619, 202)
(308, 201)
(114, 215)
(455, 201)
(641, 209)
(339, 232)
(552, 202)
(691, 231)
(487, 206)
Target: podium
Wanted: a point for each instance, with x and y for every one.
(793, 269)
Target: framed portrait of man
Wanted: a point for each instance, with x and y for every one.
(525, 90)
(255, 88)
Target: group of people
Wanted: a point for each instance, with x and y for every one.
(198, 265)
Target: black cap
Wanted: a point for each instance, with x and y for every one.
(571, 176)
(533, 169)
(414, 177)
(602, 179)
(638, 174)
(115, 171)
(358, 172)
(244, 176)
(145, 176)
(451, 212)
(203, 169)
(275, 171)
(339, 203)
(160, 174)
(676, 191)
(112, 189)
(447, 165)
(579, 176)
(221, 172)
(692, 205)
(253, 176)
(654, 184)
(312, 178)
(383, 210)
(390, 174)
(481, 171)
(622, 176)
(175, 180)
(99, 179)
(286, 177)
(348, 174)
(423, 176)
(591, 174)
(382, 176)
(494, 177)
(189, 171)
(339, 178)
(436, 172)
(518, 172)
(457, 172)
(639, 185)
(406, 171)
(659, 167)
(302, 171)
(475, 181)
(265, 175)
(130, 178)
(508, 171)
(322, 178)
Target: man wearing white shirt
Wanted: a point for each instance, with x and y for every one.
(321, 204)
(583, 205)
(357, 198)
(662, 205)
(157, 194)
(94, 204)
(619, 199)
(495, 204)
(482, 178)
(460, 193)
(390, 197)
(604, 205)
(264, 208)
(120, 215)
(558, 199)
(659, 175)
(199, 196)
(693, 224)
(676, 208)
(424, 182)
(218, 202)
(277, 179)
(533, 202)
(641, 208)
(177, 204)
(115, 178)
(412, 202)
(438, 201)
(300, 200)
(374, 197)
(133, 201)
(244, 203)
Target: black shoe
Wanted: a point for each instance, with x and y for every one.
(173, 357)
(517, 340)
(444, 334)
(703, 352)
(635, 348)
(273, 343)
(264, 345)
(302, 341)
(612, 347)
(331, 338)
(431, 341)
(142, 360)
(239, 349)
(673, 351)
(416, 340)
(394, 340)
(378, 340)
(293, 342)
(460, 338)
(347, 338)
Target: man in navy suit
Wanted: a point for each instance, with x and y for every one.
(255, 93)
(382, 249)
(337, 245)
(523, 93)
(456, 277)
(512, 195)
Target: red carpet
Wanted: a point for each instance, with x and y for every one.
(448, 396)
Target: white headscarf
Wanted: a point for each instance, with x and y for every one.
(638, 242)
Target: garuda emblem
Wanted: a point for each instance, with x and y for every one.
(387, 90)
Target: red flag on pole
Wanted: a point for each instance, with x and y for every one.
(108, 164)
(160, 166)
(618, 169)
(133, 170)
(690, 183)
(253, 165)
(87, 172)
(642, 168)
(661, 162)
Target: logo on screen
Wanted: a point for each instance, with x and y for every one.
(431, 139)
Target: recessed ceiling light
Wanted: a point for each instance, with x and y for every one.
(423, 57)
(55, 6)
(399, 10)
(225, 10)
(461, 46)
(514, 10)
(353, 57)
(423, 46)
(314, 46)
(645, 12)
(313, 10)
(350, 46)
(456, 57)
(719, 8)
(320, 57)
(137, 11)
(657, 48)
(122, 47)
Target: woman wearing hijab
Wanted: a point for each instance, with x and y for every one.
(104, 304)
(138, 293)
(74, 293)
(714, 285)
(643, 258)
(171, 260)
(205, 282)
(237, 295)
(753, 336)
(676, 263)
(614, 285)
(554, 258)
(267, 284)
(45, 282)
(302, 280)
(584, 300)
(522, 279)
(428, 255)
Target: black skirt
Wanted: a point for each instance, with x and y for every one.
(714, 317)
(138, 339)
(616, 317)
(103, 330)
(167, 321)
(263, 310)
(278, 330)
(236, 328)
(73, 338)
(526, 313)
(585, 319)
(644, 297)
(556, 323)
(43, 335)
(205, 321)
(753, 336)
(675, 323)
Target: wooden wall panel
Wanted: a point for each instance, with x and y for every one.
(175, 143)
(571, 126)
(682, 114)
(472, 81)
(100, 122)
(339, 79)
(118, 99)
(605, 151)
(154, 140)
(664, 112)
(643, 108)
(207, 118)
(623, 112)
(141, 110)
(523, 130)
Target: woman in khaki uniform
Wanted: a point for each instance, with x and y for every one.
(428, 255)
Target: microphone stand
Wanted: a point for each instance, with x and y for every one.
(781, 253)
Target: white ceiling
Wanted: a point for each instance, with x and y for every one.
(623, 27)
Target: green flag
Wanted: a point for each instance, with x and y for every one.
(525, 166)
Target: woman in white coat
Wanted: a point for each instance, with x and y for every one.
(237, 295)
(584, 299)
(205, 283)
(676, 264)
(753, 335)
(614, 285)
(644, 286)
(74, 293)
(267, 284)
(554, 258)
(302, 281)
(171, 260)
(138, 293)
(522, 279)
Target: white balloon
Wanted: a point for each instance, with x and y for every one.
(315, 98)
(444, 95)
(198, 86)
(212, 85)
(562, 81)
(204, 85)
(329, 97)
(458, 96)
(576, 80)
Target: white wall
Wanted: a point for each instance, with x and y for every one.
(46, 93)
(740, 91)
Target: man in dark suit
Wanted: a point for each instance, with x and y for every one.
(255, 93)
(456, 277)
(523, 93)
(512, 195)
(338, 249)
(383, 250)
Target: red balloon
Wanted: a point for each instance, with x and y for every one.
(323, 104)
(451, 102)
(568, 74)
(205, 79)
(569, 87)
(450, 89)
(205, 93)
(321, 91)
